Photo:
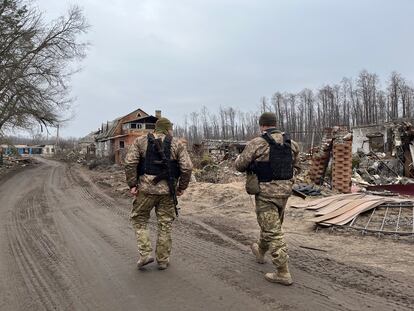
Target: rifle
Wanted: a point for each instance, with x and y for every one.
(169, 176)
(299, 194)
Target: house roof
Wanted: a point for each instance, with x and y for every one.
(111, 126)
(109, 131)
(152, 119)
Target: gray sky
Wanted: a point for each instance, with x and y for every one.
(178, 55)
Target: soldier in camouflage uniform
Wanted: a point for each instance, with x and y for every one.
(150, 195)
(270, 200)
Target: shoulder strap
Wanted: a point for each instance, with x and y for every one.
(150, 137)
(167, 146)
(267, 137)
(286, 139)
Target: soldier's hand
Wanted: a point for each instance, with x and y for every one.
(133, 190)
(179, 193)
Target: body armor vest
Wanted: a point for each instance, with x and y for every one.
(153, 163)
(280, 164)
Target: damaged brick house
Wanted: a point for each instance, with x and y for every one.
(114, 137)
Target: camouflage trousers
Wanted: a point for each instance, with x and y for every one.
(164, 210)
(270, 214)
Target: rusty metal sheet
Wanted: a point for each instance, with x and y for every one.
(400, 189)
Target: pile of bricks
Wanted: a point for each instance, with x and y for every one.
(342, 166)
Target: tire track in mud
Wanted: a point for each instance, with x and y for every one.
(227, 255)
(52, 234)
(83, 192)
(44, 266)
(40, 234)
(362, 279)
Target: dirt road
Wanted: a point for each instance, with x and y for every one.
(66, 245)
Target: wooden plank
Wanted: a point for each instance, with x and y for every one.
(309, 203)
(333, 199)
(344, 209)
(348, 216)
(318, 201)
(334, 206)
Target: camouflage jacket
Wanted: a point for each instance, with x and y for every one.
(258, 149)
(137, 152)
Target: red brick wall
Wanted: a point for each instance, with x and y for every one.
(128, 141)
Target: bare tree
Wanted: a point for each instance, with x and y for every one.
(394, 94)
(36, 62)
(231, 114)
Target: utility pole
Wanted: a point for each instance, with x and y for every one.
(57, 139)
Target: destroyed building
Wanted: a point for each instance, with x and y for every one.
(113, 137)
(391, 144)
(220, 147)
(380, 155)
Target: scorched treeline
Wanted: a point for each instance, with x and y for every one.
(352, 102)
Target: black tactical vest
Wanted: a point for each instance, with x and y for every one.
(153, 164)
(280, 164)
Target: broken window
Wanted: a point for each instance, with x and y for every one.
(121, 144)
(133, 125)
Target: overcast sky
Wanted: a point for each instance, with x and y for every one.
(178, 55)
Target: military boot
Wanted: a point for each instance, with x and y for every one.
(282, 275)
(260, 256)
(163, 265)
(144, 260)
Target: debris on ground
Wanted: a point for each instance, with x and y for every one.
(217, 168)
(308, 190)
(12, 162)
(345, 209)
(70, 156)
(110, 177)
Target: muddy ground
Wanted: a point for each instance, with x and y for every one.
(370, 264)
(67, 245)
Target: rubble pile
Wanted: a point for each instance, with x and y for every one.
(70, 156)
(377, 169)
(373, 155)
(222, 172)
(12, 162)
(389, 161)
(111, 177)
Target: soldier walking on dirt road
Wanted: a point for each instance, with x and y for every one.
(269, 161)
(158, 168)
